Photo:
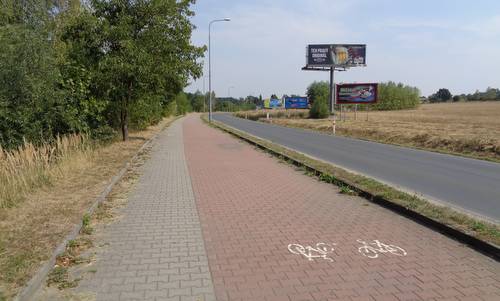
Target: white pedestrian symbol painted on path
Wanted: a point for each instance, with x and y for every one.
(371, 250)
(321, 250)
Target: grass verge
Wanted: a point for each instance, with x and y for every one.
(31, 230)
(376, 191)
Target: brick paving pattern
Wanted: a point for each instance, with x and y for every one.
(252, 207)
(156, 250)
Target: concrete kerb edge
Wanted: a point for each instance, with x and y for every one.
(481, 246)
(36, 281)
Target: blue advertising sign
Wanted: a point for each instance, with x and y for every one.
(275, 103)
(296, 103)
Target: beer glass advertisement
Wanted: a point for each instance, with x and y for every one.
(357, 93)
(296, 103)
(341, 55)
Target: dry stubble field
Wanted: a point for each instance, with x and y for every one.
(471, 129)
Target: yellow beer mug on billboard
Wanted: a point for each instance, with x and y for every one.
(341, 55)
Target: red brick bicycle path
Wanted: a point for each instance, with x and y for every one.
(252, 207)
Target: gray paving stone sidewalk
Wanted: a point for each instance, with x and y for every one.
(156, 250)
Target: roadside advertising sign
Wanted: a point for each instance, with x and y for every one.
(266, 103)
(340, 55)
(296, 103)
(272, 103)
(357, 93)
(275, 103)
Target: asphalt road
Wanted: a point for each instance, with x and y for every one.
(462, 183)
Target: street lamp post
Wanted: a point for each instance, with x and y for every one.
(210, 67)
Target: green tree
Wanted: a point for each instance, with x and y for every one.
(318, 94)
(396, 96)
(490, 94)
(146, 111)
(443, 94)
(252, 100)
(182, 103)
(197, 101)
(135, 49)
(31, 100)
(475, 96)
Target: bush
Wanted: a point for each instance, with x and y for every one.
(394, 96)
(104, 133)
(147, 111)
(183, 104)
(442, 95)
(318, 93)
(319, 110)
(170, 109)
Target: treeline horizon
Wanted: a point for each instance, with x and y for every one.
(444, 95)
(199, 102)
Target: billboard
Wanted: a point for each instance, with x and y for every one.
(340, 55)
(272, 103)
(357, 93)
(296, 103)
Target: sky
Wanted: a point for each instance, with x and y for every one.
(427, 44)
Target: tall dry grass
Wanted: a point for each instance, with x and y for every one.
(275, 113)
(29, 166)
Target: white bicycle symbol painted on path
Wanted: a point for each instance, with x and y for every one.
(321, 250)
(371, 250)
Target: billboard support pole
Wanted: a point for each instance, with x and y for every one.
(332, 92)
(332, 95)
